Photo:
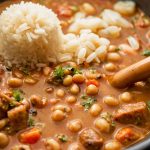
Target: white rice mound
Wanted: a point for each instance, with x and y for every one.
(29, 34)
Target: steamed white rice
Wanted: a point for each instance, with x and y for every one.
(29, 33)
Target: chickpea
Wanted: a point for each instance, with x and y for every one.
(112, 48)
(38, 101)
(125, 97)
(111, 101)
(58, 115)
(78, 78)
(110, 67)
(74, 146)
(95, 110)
(60, 93)
(67, 80)
(4, 140)
(71, 99)
(75, 125)
(92, 90)
(113, 57)
(88, 9)
(112, 145)
(51, 144)
(74, 89)
(46, 71)
(102, 125)
(63, 108)
(15, 82)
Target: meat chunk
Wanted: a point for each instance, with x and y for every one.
(18, 117)
(132, 113)
(90, 139)
(127, 135)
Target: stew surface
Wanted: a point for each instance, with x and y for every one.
(73, 107)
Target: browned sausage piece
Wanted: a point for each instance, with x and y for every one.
(18, 117)
(136, 72)
(131, 113)
(127, 135)
(90, 139)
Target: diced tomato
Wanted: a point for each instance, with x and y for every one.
(31, 136)
(93, 81)
(127, 135)
(64, 11)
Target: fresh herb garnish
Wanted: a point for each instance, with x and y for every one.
(146, 53)
(87, 102)
(63, 138)
(148, 105)
(59, 73)
(74, 8)
(17, 94)
(31, 121)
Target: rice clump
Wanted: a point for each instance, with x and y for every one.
(29, 34)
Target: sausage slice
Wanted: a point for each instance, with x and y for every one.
(90, 139)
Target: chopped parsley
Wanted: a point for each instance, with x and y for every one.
(31, 121)
(17, 94)
(62, 137)
(87, 102)
(146, 52)
(74, 8)
(59, 73)
(148, 105)
(117, 49)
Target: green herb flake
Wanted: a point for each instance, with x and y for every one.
(117, 49)
(62, 138)
(146, 53)
(87, 102)
(73, 70)
(148, 105)
(59, 73)
(31, 122)
(74, 8)
(17, 94)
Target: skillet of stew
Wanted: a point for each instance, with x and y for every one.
(73, 107)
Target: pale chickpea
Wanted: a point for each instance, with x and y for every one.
(67, 80)
(60, 93)
(126, 97)
(95, 109)
(75, 125)
(102, 125)
(110, 67)
(78, 78)
(113, 57)
(71, 99)
(74, 146)
(63, 108)
(92, 90)
(51, 144)
(15, 82)
(88, 9)
(4, 140)
(112, 145)
(58, 115)
(46, 71)
(112, 48)
(38, 101)
(111, 101)
(74, 89)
